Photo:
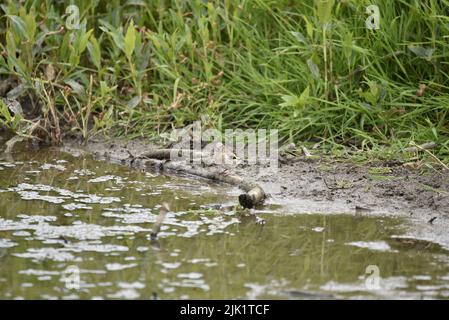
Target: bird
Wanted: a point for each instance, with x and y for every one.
(159, 220)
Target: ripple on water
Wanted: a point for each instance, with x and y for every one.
(65, 253)
(78, 230)
(125, 294)
(49, 166)
(206, 222)
(7, 164)
(37, 272)
(84, 231)
(187, 280)
(31, 192)
(101, 224)
(391, 286)
(130, 285)
(83, 172)
(7, 243)
(119, 266)
(116, 179)
(53, 254)
(95, 247)
(371, 245)
(76, 206)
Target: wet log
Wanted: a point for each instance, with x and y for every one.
(167, 154)
(253, 196)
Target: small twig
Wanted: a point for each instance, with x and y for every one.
(432, 220)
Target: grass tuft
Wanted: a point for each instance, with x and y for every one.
(310, 69)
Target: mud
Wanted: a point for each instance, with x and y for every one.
(320, 185)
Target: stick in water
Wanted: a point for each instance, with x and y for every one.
(160, 218)
(253, 196)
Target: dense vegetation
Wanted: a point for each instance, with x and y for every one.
(308, 68)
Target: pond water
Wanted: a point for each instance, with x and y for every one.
(76, 228)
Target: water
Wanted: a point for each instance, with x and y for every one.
(61, 217)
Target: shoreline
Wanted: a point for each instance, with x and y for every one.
(326, 186)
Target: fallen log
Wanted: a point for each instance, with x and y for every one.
(253, 196)
(167, 154)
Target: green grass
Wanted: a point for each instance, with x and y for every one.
(307, 68)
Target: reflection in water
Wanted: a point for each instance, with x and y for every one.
(59, 213)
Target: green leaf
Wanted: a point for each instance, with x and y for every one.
(115, 33)
(299, 37)
(313, 68)
(134, 102)
(435, 132)
(304, 97)
(309, 27)
(84, 41)
(94, 51)
(16, 92)
(4, 111)
(372, 95)
(425, 53)
(144, 57)
(130, 40)
(117, 36)
(289, 101)
(64, 47)
(10, 44)
(295, 101)
(76, 87)
(347, 44)
(18, 26)
(30, 24)
(74, 58)
(324, 10)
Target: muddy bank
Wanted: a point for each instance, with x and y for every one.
(322, 185)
